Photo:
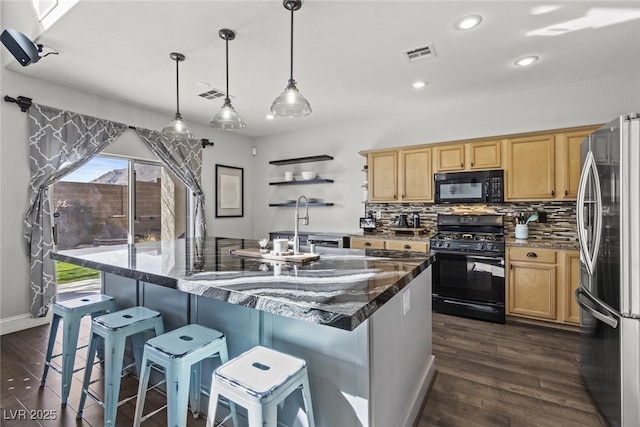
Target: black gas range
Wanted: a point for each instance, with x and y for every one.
(468, 275)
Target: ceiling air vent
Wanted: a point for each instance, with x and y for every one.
(212, 94)
(422, 52)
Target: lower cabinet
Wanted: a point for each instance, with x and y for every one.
(393, 245)
(541, 283)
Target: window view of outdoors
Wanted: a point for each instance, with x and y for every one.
(91, 208)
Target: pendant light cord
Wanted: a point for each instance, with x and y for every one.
(177, 89)
(291, 81)
(226, 42)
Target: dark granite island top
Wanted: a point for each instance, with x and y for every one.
(361, 319)
(341, 289)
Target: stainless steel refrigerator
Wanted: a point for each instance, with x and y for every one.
(608, 217)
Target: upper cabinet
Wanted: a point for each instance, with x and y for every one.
(569, 161)
(383, 176)
(400, 175)
(530, 172)
(416, 177)
(476, 155)
(545, 166)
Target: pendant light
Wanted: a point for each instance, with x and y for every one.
(177, 129)
(227, 118)
(291, 103)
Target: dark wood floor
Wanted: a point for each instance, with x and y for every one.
(487, 375)
(506, 375)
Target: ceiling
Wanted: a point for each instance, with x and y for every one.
(348, 55)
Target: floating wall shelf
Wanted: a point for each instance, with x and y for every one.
(304, 181)
(319, 158)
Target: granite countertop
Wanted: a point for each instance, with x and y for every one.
(543, 244)
(534, 242)
(341, 289)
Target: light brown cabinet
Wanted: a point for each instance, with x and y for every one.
(532, 283)
(400, 175)
(416, 177)
(531, 170)
(479, 155)
(541, 283)
(571, 267)
(364, 243)
(569, 163)
(392, 245)
(383, 176)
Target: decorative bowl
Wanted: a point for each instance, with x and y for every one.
(308, 175)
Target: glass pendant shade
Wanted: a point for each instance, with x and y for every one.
(227, 118)
(291, 103)
(177, 129)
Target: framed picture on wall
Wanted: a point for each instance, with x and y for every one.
(229, 191)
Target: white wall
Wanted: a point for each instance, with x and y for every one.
(582, 103)
(229, 149)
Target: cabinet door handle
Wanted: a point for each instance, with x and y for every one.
(367, 243)
(461, 165)
(510, 266)
(532, 255)
(403, 196)
(407, 246)
(553, 193)
(566, 192)
(471, 164)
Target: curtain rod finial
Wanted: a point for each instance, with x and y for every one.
(23, 102)
(206, 143)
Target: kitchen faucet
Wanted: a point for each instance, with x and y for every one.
(305, 221)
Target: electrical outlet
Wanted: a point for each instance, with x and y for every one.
(406, 302)
(378, 215)
(542, 216)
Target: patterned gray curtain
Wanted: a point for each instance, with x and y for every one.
(59, 143)
(184, 159)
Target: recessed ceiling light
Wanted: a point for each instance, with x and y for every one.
(270, 117)
(526, 60)
(468, 22)
(419, 84)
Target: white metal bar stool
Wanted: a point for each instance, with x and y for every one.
(71, 312)
(113, 329)
(259, 379)
(179, 354)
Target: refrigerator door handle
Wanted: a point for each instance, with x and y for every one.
(589, 255)
(605, 318)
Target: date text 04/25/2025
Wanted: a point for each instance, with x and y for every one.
(29, 414)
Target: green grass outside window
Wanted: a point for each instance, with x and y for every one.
(67, 273)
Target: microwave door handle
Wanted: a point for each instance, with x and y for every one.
(607, 319)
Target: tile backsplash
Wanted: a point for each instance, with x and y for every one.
(560, 225)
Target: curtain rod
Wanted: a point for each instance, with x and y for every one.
(24, 103)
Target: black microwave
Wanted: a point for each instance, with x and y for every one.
(469, 187)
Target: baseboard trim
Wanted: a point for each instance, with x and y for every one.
(22, 322)
(419, 398)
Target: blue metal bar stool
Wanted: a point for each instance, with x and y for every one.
(71, 312)
(113, 329)
(179, 354)
(259, 379)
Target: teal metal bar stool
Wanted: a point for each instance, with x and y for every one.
(71, 312)
(179, 354)
(113, 329)
(259, 379)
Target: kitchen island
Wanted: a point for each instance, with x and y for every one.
(360, 318)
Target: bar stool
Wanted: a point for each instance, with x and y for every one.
(113, 329)
(71, 312)
(259, 379)
(180, 353)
